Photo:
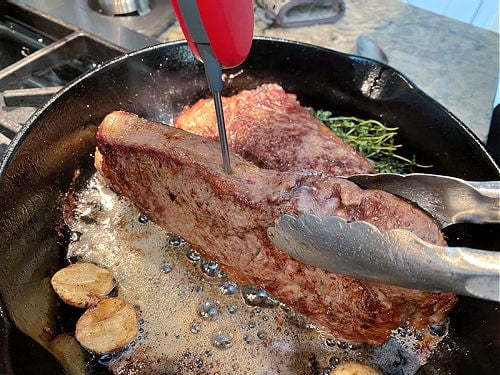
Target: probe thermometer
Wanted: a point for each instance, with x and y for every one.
(219, 33)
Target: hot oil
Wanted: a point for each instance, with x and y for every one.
(195, 320)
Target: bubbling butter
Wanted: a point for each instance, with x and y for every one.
(194, 319)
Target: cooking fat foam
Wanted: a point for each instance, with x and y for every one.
(194, 319)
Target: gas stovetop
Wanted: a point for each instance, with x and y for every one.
(131, 24)
(45, 44)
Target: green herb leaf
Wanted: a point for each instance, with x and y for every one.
(372, 139)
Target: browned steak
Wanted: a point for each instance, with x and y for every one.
(270, 128)
(176, 179)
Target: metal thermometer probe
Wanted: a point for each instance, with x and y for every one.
(213, 71)
(219, 32)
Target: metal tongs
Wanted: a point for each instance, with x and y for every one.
(398, 257)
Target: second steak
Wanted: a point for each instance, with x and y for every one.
(269, 127)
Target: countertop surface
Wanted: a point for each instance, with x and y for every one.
(455, 63)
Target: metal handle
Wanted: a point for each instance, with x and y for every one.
(448, 199)
(487, 188)
(396, 257)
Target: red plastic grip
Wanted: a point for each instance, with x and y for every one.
(229, 28)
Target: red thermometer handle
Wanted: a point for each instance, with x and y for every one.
(225, 25)
(220, 33)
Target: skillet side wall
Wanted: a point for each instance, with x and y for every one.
(156, 83)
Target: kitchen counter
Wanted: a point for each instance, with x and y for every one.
(453, 62)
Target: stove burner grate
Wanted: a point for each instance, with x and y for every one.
(38, 56)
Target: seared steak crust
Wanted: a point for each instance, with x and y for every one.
(177, 180)
(270, 128)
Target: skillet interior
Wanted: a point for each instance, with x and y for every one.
(156, 83)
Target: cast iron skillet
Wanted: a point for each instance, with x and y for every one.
(156, 83)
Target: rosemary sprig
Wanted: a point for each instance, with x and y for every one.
(372, 139)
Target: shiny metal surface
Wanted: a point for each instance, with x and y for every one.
(221, 126)
(33, 97)
(122, 7)
(8, 129)
(394, 257)
(55, 54)
(130, 32)
(39, 54)
(448, 199)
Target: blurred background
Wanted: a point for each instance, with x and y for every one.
(480, 13)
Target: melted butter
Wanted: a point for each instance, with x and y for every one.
(194, 319)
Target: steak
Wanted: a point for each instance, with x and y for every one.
(270, 128)
(176, 178)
